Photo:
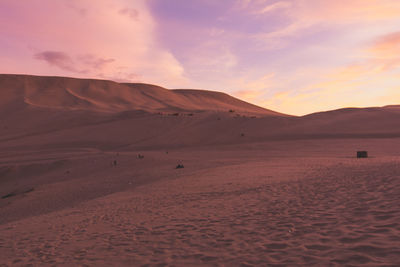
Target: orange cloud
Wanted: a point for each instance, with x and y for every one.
(372, 80)
(253, 89)
(352, 86)
(249, 95)
(385, 51)
(387, 44)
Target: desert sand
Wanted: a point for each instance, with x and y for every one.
(258, 188)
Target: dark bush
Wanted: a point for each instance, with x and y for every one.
(8, 195)
(179, 166)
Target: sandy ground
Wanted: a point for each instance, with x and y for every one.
(258, 188)
(284, 203)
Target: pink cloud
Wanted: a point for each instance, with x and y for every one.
(114, 39)
(130, 12)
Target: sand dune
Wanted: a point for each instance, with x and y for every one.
(107, 96)
(65, 112)
(258, 188)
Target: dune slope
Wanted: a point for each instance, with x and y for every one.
(108, 96)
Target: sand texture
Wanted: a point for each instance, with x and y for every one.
(89, 178)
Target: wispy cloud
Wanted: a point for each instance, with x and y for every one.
(253, 89)
(305, 17)
(275, 6)
(387, 45)
(384, 51)
(93, 62)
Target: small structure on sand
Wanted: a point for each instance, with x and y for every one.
(362, 154)
(179, 166)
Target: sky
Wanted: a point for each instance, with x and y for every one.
(291, 56)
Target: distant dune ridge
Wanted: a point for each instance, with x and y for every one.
(77, 112)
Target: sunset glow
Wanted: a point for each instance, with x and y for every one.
(292, 56)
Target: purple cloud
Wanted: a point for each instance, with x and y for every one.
(58, 59)
(82, 64)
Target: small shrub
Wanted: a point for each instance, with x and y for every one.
(8, 195)
(179, 166)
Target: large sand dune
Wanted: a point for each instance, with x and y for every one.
(107, 96)
(259, 188)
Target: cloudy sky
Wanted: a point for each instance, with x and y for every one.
(293, 56)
